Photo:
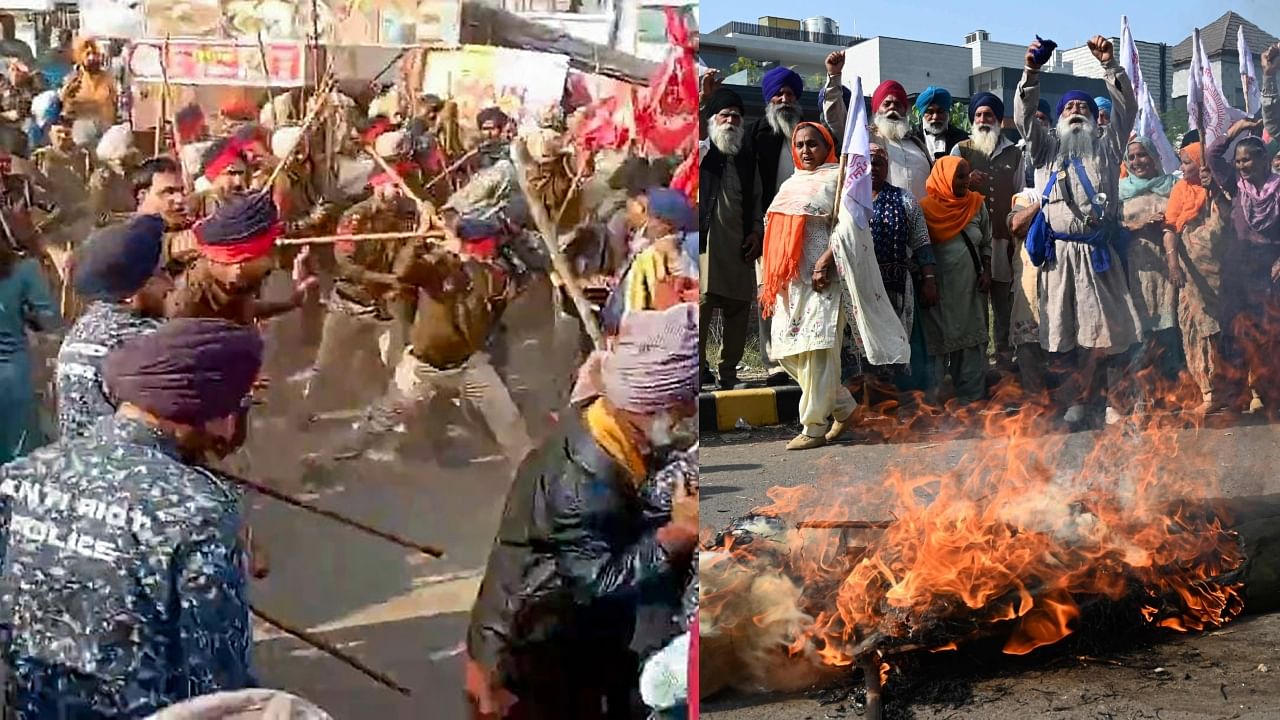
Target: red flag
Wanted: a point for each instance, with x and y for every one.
(666, 116)
(685, 178)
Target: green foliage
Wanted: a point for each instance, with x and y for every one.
(1175, 122)
(959, 116)
(755, 72)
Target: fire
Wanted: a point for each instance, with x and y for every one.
(1013, 543)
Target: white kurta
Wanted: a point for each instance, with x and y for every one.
(909, 168)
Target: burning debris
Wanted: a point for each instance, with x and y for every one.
(1007, 548)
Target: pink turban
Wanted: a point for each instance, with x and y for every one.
(887, 88)
(653, 365)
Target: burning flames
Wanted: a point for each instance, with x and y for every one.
(1012, 543)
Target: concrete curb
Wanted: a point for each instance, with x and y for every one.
(721, 410)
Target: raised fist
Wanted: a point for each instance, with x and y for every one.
(1102, 49)
(835, 63)
(1031, 55)
(1271, 60)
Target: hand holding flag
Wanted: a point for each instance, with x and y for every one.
(855, 150)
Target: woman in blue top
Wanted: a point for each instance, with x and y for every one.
(24, 303)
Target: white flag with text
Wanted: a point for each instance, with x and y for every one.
(1205, 103)
(1147, 123)
(857, 150)
(1248, 75)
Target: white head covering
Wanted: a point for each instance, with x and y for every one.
(256, 704)
(41, 104)
(392, 143)
(386, 104)
(284, 140)
(116, 143)
(277, 113)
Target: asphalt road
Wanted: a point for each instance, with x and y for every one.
(400, 612)
(1227, 673)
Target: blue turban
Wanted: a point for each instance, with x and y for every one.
(241, 229)
(1103, 103)
(190, 371)
(845, 93)
(986, 99)
(115, 262)
(1077, 95)
(777, 78)
(671, 206)
(933, 95)
(1043, 106)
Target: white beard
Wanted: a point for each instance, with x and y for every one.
(1077, 140)
(935, 128)
(892, 129)
(727, 138)
(782, 118)
(984, 139)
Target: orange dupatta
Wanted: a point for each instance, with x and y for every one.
(784, 233)
(944, 213)
(1187, 198)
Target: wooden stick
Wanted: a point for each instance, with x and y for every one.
(164, 100)
(399, 179)
(332, 651)
(871, 678)
(550, 240)
(289, 500)
(843, 524)
(266, 73)
(363, 237)
(322, 92)
(453, 167)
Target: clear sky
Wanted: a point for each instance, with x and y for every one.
(1068, 22)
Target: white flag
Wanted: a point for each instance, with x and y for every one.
(1248, 76)
(1148, 122)
(1205, 99)
(857, 148)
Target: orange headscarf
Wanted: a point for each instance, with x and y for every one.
(1188, 195)
(784, 233)
(945, 213)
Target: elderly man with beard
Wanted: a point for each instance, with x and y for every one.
(578, 545)
(997, 168)
(909, 160)
(939, 136)
(730, 227)
(1084, 295)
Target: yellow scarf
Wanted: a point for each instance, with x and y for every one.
(607, 431)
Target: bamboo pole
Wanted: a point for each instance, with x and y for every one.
(332, 651)
(550, 240)
(843, 524)
(266, 73)
(274, 494)
(363, 237)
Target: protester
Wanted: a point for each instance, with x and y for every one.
(24, 305)
(909, 159)
(1024, 311)
(1084, 295)
(731, 230)
(117, 271)
(663, 274)
(804, 289)
(996, 165)
(1196, 235)
(936, 130)
(550, 631)
(1104, 111)
(110, 191)
(160, 613)
(90, 92)
(955, 328)
(10, 46)
(1144, 193)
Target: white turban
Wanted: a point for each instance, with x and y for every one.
(284, 140)
(116, 143)
(392, 143)
(386, 104)
(193, 156)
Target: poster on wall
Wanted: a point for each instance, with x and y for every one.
(395, 23)
(220, 63)
(520, 82)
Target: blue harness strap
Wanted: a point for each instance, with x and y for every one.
(1041, 238)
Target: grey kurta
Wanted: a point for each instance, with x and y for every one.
(959, 320)
(1079, 306)
(724, 272)
(1155, 297)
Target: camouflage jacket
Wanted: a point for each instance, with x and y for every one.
(124, 586)
(82, 400)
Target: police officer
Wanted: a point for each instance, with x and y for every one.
(124, 585)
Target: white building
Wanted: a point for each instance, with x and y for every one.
(913, 63)
(774, 41)
(1155, 58)
(989, 54)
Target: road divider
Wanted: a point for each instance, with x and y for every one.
(725, 410)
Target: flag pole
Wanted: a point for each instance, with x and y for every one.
(1204, 136)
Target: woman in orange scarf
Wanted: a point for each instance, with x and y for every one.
(819, 274)
(1196, 235)
(955, 329)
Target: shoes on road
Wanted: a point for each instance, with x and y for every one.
(728, 383)
(804, 442)
(838, 428)
(707, 377)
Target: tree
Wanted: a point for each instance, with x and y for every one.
(1175, 122)
(754, 70)
(959, 116)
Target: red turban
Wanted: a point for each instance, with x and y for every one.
(884, 90)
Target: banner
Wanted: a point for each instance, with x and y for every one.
(1147, 124)
(519, 82)
(1248, 75)
(220, 63)
(1205, 102)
